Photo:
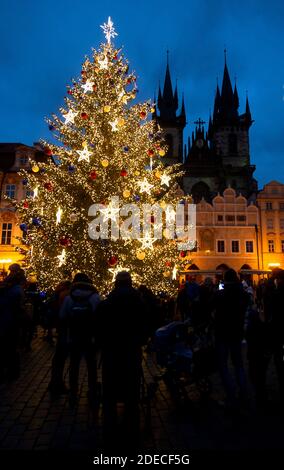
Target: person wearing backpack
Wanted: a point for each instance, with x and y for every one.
(77, 316)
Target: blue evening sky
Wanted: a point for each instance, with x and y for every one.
(43, 44)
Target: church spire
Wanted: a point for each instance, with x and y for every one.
(168, 101)
(217, 103)
(248, 112)
(236, 98)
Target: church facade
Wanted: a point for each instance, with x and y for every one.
(216, 158)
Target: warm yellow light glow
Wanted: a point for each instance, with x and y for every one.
(58, 215)
(274, 265)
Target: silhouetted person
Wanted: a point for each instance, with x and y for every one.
(77, 315)
(122, 330)
(11, 313)
(230, 305)
(57, 384)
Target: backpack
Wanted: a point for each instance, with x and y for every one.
(80, 320)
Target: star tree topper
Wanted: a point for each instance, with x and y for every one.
(109, 30)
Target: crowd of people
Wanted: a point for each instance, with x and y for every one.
(116, 328)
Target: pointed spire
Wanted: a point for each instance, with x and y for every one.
(168, 89)
(236, 98)
(209, 126)
(248, 113)
(176, 97)
(217, 103)
(182, 113)
(159, 97)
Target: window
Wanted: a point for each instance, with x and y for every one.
(249, 246)
(241, 218)
(6, 233)
(269, 223)
(219, 218)
(282, 223)
(233, 143)
(235, 246)
(10, 190)
(23, 160)
(281, 206)
(230, 218)
(271, 246)
(221, 246)
(282, 246)
(269, 206)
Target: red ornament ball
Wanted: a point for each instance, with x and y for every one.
(168, 263)
(94, 87)
(84, 116)
(123, 172)
(70, 92)
(143, 114)
(93, 175)
(115, 57)
(47, 151)
(150, 152)
(25, 204)
(48, 186)
(182, 254)
(112, 261)
(65, 241)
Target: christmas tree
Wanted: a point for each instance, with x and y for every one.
(108, 147)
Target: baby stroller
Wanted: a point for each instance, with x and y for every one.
(185, 356)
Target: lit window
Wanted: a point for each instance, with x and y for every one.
(270, 223)
(249, 246)
(235, 246)
(6, 233)
(271, 246)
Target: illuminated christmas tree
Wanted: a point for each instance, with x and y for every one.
(108, 147)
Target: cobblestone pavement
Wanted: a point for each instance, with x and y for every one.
(30, 420)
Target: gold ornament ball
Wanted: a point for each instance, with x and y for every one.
(137, 173)
(107, 108)
(126, 193)
(35, 169)
(163, 204)
(152, 110)
(166, 274)
(105, 163)
(141, 255)
(158, 175)
(162, 153)
(32, 278)
(121, 122)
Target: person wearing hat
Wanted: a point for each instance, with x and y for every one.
(122, 330)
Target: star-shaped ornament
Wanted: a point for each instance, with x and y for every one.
(103, 63)
(111, 213)
(70, 116)
(145, 187)
(114, 124)
(165, 179)
(109, 30)
(147, 242)
(88, 86)
(84, 154)
(62, 257)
